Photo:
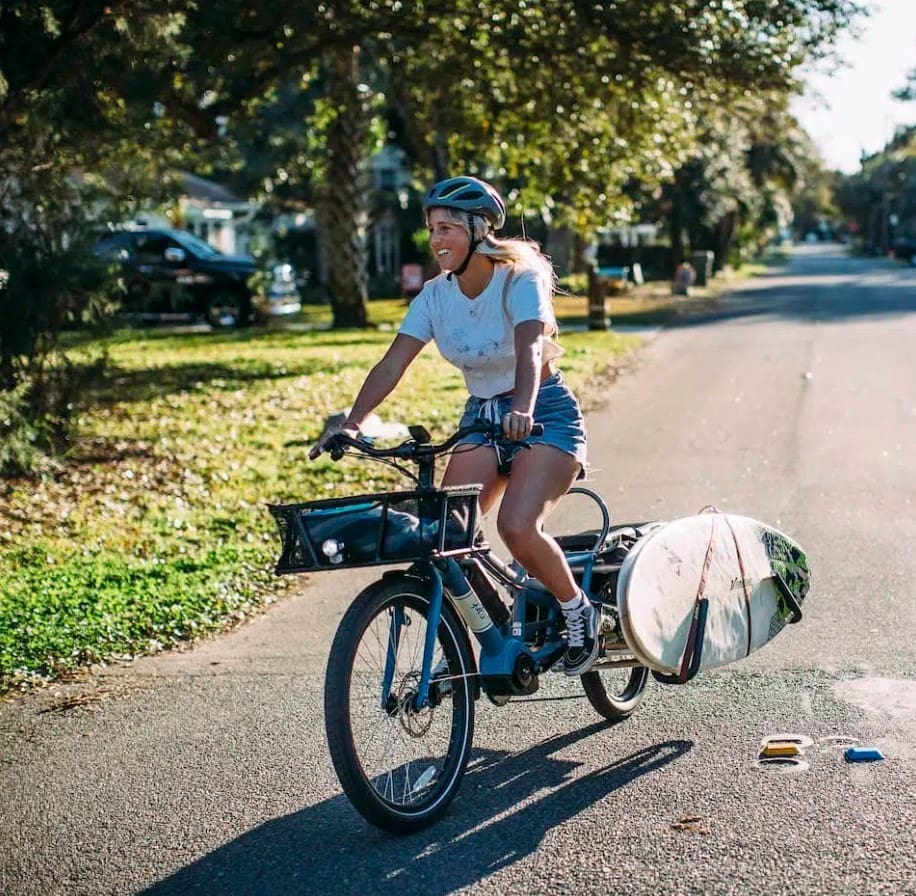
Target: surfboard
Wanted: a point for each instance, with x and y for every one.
(707, 590)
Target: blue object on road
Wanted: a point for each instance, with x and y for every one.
(863, 754)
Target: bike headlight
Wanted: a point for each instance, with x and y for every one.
(333, 550)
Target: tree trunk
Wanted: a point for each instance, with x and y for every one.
(577, 263)
(559, 246)
(726, 237)
(676, 233)
(342, 204)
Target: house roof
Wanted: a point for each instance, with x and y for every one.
(200, 188)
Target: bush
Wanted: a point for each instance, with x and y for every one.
(19, 434)
(47, 289)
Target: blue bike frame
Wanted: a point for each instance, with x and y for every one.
(499, 653)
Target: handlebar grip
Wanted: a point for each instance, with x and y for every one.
(330, 444)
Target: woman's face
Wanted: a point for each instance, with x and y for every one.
(448, 240)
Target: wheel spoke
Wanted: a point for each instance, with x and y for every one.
(399, 762)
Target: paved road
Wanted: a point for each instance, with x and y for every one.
(207, 772)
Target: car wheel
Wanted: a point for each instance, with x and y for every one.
(227, 310)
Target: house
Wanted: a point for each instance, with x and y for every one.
(216, 214)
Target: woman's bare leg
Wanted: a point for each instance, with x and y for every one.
(468, 466)
(541, 476)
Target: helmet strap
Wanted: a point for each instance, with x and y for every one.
(472, 248)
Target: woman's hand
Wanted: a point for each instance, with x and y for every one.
(517, 425)
(347, 429)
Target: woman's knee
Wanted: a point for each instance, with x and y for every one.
(516, 529)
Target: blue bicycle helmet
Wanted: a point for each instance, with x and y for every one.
(468, 194)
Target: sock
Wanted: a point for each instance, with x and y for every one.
(576, 605)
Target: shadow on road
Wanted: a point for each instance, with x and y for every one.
(508, 802)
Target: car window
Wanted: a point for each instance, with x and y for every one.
(115, 248)
(151, 246)
(196, 245)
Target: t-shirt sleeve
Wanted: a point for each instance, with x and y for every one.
(528, 300)
(417, 322)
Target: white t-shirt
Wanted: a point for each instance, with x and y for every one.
(478, 335)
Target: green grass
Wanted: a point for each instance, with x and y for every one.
(153, 530)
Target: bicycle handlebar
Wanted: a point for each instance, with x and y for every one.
(337, 443)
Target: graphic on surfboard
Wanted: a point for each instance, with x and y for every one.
(707, 590)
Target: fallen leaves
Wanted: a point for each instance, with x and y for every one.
(692, 823)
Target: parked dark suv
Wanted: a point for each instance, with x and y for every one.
(172, 274)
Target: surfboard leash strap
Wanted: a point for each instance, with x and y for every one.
(747, 593)
(693, 650)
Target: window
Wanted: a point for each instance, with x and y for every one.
(151, 247)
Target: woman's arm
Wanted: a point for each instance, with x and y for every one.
(379, 382)
(529, 344)
(383, 377)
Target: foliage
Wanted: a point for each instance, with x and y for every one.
(815, 204)
(561, 104)
(83, 131)
(878, 203)
(565, 106)
(733, 192)
(907, 93)
(51, 284)
(880, 200)
(20, 432)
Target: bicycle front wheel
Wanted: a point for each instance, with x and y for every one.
(400, 763)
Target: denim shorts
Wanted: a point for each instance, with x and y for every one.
(555, 407)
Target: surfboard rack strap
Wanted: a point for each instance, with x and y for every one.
(790, 598)
(693, 653)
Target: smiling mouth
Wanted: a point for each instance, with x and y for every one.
(442, 252)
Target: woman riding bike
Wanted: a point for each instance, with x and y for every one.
(490, 314)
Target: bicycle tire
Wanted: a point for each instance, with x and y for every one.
(615, 704)
(399, 767)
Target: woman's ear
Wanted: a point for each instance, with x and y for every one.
(481, 228)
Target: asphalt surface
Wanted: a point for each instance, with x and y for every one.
(206, 771)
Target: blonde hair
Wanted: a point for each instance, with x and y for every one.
(519, 254)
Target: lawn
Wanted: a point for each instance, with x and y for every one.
(153, 529)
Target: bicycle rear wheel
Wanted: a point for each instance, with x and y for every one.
(616, 693)
(400, 766)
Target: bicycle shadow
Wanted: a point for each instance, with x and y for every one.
(495, 821)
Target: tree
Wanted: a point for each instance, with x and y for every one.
(880, 200)
(814, 203)
(79, 131)
(733, 192)
(566, 103)
(907, 93)
(560, 103)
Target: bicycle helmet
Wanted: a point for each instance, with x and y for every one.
(468, 194)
